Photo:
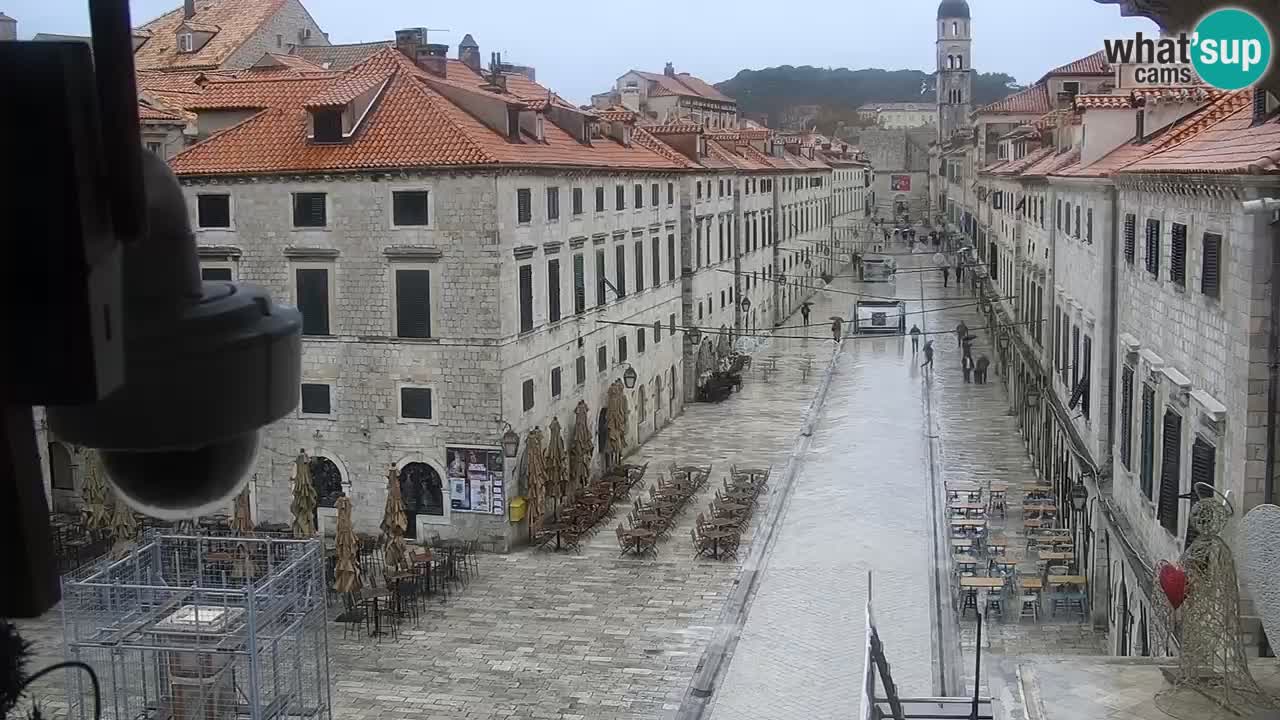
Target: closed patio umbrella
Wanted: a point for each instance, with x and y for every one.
(555, 464)
(124, 528)
(241, 517)
(580, 447)
(303, 506)
(346, 575)
(536, 478)
(616, 418)
(394, 522)
(723, 345)
(93, 494)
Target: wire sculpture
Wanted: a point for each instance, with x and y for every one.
(1205, 621)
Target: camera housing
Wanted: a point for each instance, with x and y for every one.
(206, 365)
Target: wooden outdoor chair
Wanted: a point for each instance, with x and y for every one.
(700, 544)
(625, 542)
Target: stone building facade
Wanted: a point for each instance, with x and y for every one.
(670, 96)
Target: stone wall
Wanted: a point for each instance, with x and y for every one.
(280, 31)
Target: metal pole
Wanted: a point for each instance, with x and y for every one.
(977, 670)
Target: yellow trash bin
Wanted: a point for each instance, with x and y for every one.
(518, 507)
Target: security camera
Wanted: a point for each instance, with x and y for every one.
(206, 365)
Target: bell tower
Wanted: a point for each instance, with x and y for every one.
(955, 67)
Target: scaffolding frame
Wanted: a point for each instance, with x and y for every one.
(199, 627)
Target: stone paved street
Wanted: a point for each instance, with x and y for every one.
(560, 635)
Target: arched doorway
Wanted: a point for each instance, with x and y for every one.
(326, 478)
(423, 494)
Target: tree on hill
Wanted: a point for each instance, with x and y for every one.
(840, 91)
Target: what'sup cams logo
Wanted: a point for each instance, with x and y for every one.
(1229, 49)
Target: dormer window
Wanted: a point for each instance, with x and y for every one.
(186, 42)
(328, 125)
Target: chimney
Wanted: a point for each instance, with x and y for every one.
(669, 70)
(434, 58)
(469, 52)
(8, 27)
(188, 9)
(409, 40)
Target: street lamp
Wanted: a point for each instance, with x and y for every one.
(629, 377)
(1079, 495)
(1032, 396)
(510, 441)
(808, 262)
(745, 304)
(694, 335)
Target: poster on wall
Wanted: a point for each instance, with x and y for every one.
(900, 183)
(476, 481)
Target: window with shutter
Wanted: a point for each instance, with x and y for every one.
(1075, 356)
(671, 258)
(213, 211)
(655, 259)
(526, 395)
(639, 195)
(313, 300)
(413, 303)
(1204, 461)
(671, 193)
(579, 284)
(580, 370)
(600, 278)
(553, 203)
(697, 245)
(1126, 417)
(315, 399)
(524, 205)
(415, 403)
(1057, 341)
(1088, 226)
(620, 270)
(1086, 374)
(555, 382)
(671, 323)
(577, 201)
(622, 349)
(526, 298)
(602, 358)
(654, 197)
(1210, 264)
(215, 274)
(409, 208)
(1153, 247)
(1147, 468)
(309, 209)
(1170, 471)
(640, 341)
(1077, 230)
(553, 290)
(599, 198)
(1178, 254)
(1130, 230)
(619, 198)
(657, 331)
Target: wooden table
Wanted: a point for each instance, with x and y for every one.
(1079, 580)
(1031, 583)
(715, 536)
(1040, 508)
(967, 506)
(962, 523)
(961, 544)
(740, 497)
(965, 561)
(1049, 556)
(723, 522)
(990, 583)
(1034, 522)
(638, 534)
(729, 507)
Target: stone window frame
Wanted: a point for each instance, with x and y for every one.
(435, 403)
(311, 263)
(333, 396)
(308, 188)
(394, 266)
(429, 189)
(231, 212)
(222, 265)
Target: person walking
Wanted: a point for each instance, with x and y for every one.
(946, 276)
(835, 330)
(961, 331)
(980, 370)
(959, 271)
(966, 366)
(804, 313)
(928, 355)
(915, 339)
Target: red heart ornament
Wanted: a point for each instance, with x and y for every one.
(1173, 580)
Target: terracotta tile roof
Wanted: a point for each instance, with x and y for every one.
(703, 88)
(277, 63)
(1198, 93)
(1051, 119)
(674, 128)
(754, 133)
(1103, 102)
(410, 125)
(616, 114)
(682, 84)
(993, 167)
(1095, 64)
(339, 57)
(199, 26)
(1051, 163)
(152, 113)
(1015, 167)
(1107, 164)
(236, 21)
(1222, 140)
(346, 90)
(177, 82)
(640, 136)
(519, 87)
(1034, 99)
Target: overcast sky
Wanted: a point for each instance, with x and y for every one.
(580, 48)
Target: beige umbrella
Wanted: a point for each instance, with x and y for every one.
(723, 346)
(303, 506)
(536, 477)
(241, 516)
(555, 463)
(124, 528)
(346, 567)
(395, 556)
(580, 447)
(614, 423)
(93, 494)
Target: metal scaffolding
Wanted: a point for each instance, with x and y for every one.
(207, 628)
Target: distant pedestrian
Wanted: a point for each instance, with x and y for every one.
(966, 346)
(915, 339)
(804, 313)
(966, 366)
(835, 330)
(980, 370)
(961, 331)
(959, 271)
(946, 276)
(928, 355)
